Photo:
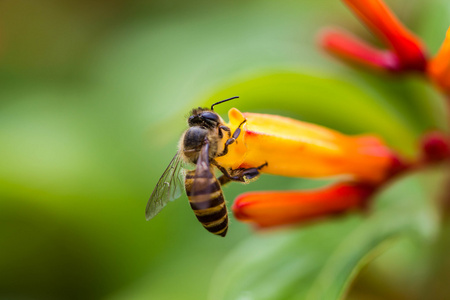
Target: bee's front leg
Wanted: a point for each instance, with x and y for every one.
(224, 128)
(232, 139)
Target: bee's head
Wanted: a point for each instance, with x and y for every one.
(204, 118)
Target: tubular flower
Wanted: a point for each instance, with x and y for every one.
(406, 50)
(349, 47)
(299, 149)
(439, 67)
(269, 209)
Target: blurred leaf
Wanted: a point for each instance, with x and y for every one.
(319, 262)
(433, 24)
(410, 97)
(322, 99)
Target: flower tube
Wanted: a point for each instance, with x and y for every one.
(299, 149)
(271, 209)
(349, 47)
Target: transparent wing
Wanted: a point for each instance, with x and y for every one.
(168, 188)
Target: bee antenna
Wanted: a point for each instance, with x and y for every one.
(223, 101)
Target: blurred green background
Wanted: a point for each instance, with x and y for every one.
(94, 96)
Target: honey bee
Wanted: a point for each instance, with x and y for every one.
(206, 139)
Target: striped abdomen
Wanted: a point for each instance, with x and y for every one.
(206, 199)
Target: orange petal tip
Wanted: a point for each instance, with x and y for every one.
(439, 66)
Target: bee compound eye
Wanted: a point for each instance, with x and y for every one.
(210, 116)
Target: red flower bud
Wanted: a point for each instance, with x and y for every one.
(435, 147)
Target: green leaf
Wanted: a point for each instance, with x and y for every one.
(320, 261)
(322, 99)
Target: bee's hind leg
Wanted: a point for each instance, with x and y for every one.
(250, 174)
(240, 175)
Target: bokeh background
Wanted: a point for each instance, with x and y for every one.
(94, 97)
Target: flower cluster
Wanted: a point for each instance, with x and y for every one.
(405, 53)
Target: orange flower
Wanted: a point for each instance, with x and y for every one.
(439, 67)
(269, 209)
(407, 51)
(299, 149)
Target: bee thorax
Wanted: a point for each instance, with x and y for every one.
(193, 140)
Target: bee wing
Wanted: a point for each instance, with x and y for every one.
(204, 182)
(167, 189)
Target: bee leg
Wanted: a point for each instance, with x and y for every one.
(226, 177)
(231, 140)
(241, 175)
(224, 128)
(223, 180)
(250, 174)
